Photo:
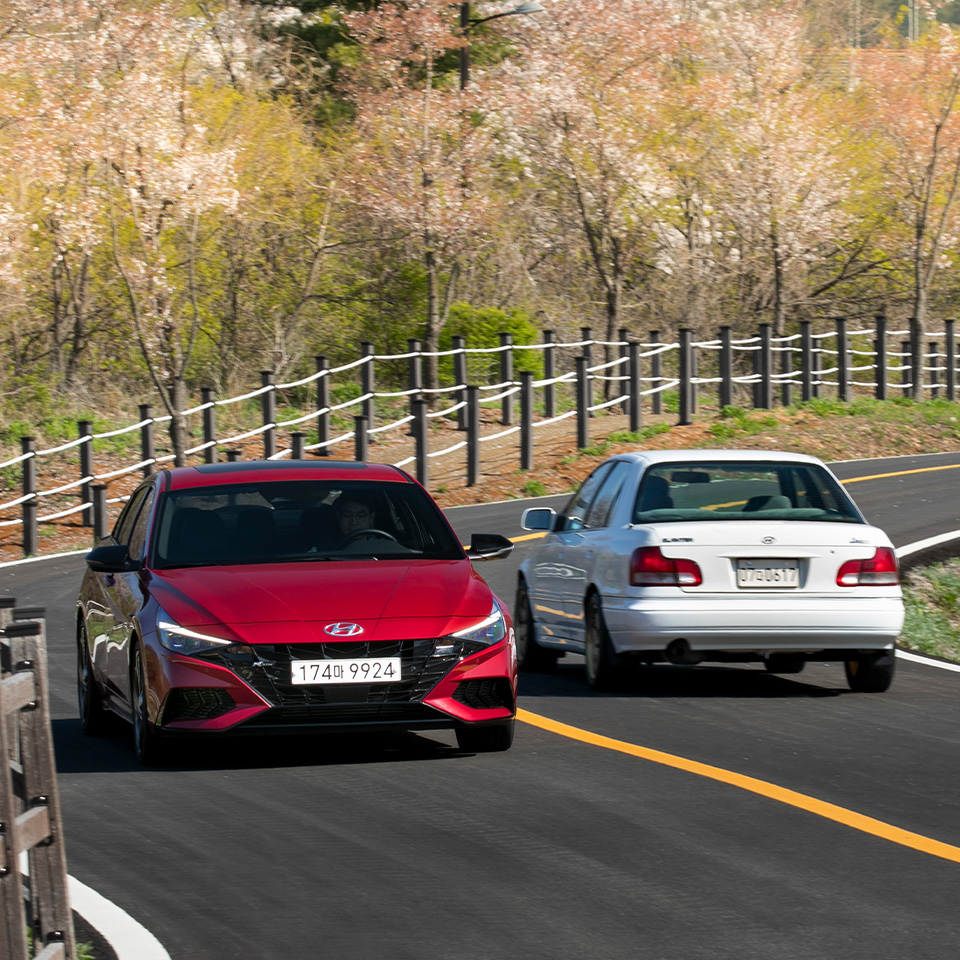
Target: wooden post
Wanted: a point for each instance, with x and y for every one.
(549, 372)
(880, 351)
(268, 403)
(656, 363)
(951, 351)
(843, 362)
(786, 368)
(420, 439)
(209, 425)
(101, 524)
(297, 443)
(460, 376)
(725, 393)
(636, 405)
(473, 435)
(685, 370)
(526, 420)
(806, 361)
(28, 445)
(506, 376)
(323, 403)
(42, 833)
(583, 398)
(85, 429)
(414, 369)
(148, 451)
(366, 380)
(360, 439)
(587, 353)
(765, 399)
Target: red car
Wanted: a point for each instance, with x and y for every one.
(265, 597)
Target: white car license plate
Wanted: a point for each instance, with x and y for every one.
(768, 573)
(366, 670)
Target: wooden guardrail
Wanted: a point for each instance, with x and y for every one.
(29, 799)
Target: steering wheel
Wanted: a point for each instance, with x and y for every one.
(369, 532)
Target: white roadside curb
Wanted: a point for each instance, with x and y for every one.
(129, 939)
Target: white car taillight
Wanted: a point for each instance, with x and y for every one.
(650, 568)
(881, 570)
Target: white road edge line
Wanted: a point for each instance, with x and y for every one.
(132, 941)
(129, 939)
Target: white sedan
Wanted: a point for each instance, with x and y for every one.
(682, 556)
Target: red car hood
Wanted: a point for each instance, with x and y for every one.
(293, 602)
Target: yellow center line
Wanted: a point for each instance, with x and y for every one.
(903, 473)
(830, 811)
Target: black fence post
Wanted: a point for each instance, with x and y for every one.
(360, 438)
(583, 414)
(880, 351)
(420, 439)
(934, 372)
(101, 526)
(766, 367)
(473, 435)
(756, 368)
(586, 351)
(297, 443)
(635, 406)
(951, 351)
(28, 445)
(323, 404)
(726, 368)
(786, 368)
(806, 361)
(506, 376)
(694, 392)
(549, 368)
(148, 451)
(656, 365)
(234, 456)
(366, 380)
(526, 420)
(460, 377)
(686, 363)
(85, 429)
(268, 404)
(907, 364)
(843, 362)
(624, 354)
(414, 371)
(209, 425)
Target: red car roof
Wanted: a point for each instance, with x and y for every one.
(245, 471)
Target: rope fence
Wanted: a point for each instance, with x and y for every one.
(633, 376)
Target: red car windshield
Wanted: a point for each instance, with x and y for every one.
(285, 521)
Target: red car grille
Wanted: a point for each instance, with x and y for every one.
(267, 668)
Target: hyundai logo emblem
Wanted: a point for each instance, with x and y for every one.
(769, 540)
(343, 629)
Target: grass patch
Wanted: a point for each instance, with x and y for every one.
(932, 622)
(534, 488)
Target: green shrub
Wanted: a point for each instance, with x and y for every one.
(482, 327)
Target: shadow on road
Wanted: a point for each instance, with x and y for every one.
(113, 753)
(666, 680)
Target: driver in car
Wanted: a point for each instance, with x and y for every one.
(353, 514)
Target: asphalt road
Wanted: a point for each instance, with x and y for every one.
(404, 848)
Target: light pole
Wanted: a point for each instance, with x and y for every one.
(466, 25)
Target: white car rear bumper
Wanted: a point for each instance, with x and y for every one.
(770, 624)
